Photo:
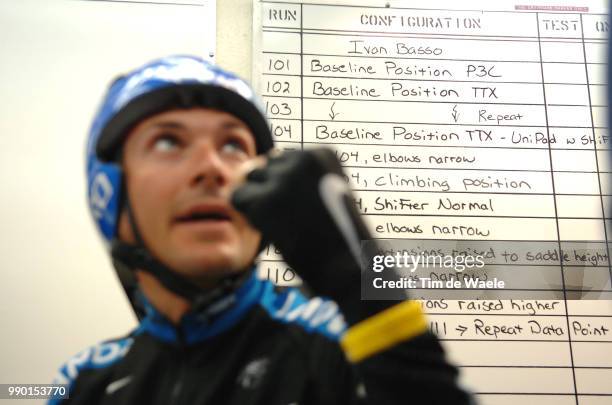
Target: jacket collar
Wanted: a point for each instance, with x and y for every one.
(209, 320)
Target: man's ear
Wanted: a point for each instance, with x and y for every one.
(124, 230)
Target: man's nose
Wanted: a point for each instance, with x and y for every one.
(207, 170)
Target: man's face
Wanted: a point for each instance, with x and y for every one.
(181, 167)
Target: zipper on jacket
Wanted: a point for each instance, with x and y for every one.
(177, 386)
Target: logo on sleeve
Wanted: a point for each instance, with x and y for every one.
(100, 356)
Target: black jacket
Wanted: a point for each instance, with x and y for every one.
(256, 345)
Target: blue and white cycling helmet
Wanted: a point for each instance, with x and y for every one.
(175, 82)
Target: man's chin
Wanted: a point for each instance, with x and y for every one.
(208, 267)
(210, 261)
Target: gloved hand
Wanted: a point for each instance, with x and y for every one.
(301, 202)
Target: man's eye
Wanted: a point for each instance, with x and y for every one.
(233, 147)
(165, 143)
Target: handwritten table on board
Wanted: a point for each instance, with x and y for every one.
(468, 125)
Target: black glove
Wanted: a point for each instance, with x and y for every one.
(301, 202)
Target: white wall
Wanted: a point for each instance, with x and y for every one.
(58, 293)
(234, 36)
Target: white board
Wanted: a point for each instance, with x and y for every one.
(477, 121)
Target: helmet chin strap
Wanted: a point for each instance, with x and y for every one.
(137, 256)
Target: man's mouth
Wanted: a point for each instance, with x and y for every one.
(204, 214)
